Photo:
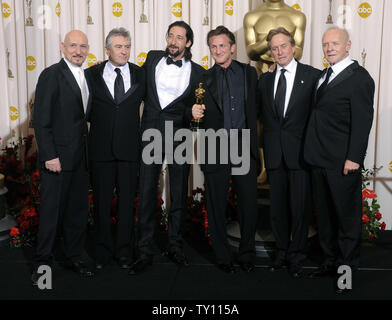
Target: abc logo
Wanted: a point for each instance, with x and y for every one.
(58, 9)
(14, 113)
(31, 63)
(229, 7)
(6, 10)
(365, 10)
(296, 6)
(177, 9)
(141, 58)
(204, 63)
(117, 9)
(325, 62)
(91, 59)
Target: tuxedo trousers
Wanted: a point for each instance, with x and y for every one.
(64, 201)
(338, 203)
(109, 177)
(148, 208)
(290, 211)
(217, 184)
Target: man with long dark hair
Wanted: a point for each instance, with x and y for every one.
(172, 79)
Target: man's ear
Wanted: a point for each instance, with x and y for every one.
(233, 48)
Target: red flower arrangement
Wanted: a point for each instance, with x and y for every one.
(22, 180)
(371, 216)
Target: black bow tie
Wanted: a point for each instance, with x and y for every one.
(170, 61)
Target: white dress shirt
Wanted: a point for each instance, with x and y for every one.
(109, 75)
(78, 72)
(290, 77)
(336, 69)
(171, 81)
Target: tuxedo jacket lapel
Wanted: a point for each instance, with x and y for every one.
(346, 73)
(316, 87)
(71, 81)
(213, 88)
(270, 91)
(134, 83)
(102, 82)
(297, 87)
(153, 79)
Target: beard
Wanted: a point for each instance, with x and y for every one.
(175, 54)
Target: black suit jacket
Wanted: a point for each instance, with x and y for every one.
(180, 110)
(285, 138)
(115, 128)
(214, 117)
(341, 120)
(59, 119)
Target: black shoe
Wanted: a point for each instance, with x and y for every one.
(322, 272)
(178, 257)
(228, 268)
(247, 266)
(80, 268)
(139, 266)
(278, 264)
(35, 277)
(296, 271)
(99, 266)
(124, 263)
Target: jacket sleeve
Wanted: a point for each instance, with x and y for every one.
(44, 107)
(361, 118)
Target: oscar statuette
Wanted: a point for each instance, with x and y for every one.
(199, 92)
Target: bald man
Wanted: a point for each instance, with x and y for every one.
(61, 132)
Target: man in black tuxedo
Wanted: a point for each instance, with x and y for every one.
(61, 131)
(335, 147)
(117, 90)
(286, 98)
(230, 106)
(172, 79)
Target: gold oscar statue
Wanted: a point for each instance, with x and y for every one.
(199, 93)
(270, 15)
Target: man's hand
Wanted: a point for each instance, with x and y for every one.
(53, 165)
(198, 111)
(349, 167)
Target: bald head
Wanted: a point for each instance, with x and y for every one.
(75, 47)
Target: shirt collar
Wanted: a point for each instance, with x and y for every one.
(112, 67)
(341, 65)
(232, 67)
(71, 66)
(290, 68)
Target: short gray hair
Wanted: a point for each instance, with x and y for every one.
(117, 32)
(345, 32)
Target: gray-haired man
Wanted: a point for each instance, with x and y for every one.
(117, 90)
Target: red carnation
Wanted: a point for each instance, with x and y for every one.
(378, 215)
(365, 218)
(368, 194)
(14, 232)
(383, 226)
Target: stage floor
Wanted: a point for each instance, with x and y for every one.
(202, 280)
